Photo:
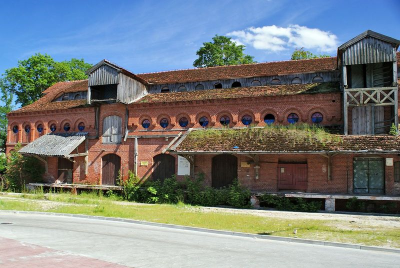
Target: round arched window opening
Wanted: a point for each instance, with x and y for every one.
(146, 123)
(247, 119)
(218, 85)
(199, 87)
(53, 127)
(67, 127)
(296, 81)
(256, 83)
(203, 121)
(225, 120)
(318, 79)
(39, 128)
(15, 129)
(236, 84)
(164, 90)
(27, 128)
(275, 81)
(65, 97)
(317, 118)
(81, 126)
(269, 119)
(77, 97)
(293, 118)
(164, 122)
(182, 89)
(183, 122)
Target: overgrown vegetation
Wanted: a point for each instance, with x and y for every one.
(191, 191)
(356, 205)
(290, 204)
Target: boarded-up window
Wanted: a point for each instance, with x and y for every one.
(112, 129)
(397, 171)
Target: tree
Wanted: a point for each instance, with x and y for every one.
(6, 99)
(39, 72)
(301, 54)
(221, 51)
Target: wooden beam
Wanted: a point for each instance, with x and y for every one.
(77, 155)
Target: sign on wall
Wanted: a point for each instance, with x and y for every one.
(183, 166)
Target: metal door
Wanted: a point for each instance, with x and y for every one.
(110, 170)
(224, 170)
(369, 176)
(292, 177)
(164, 167)
(65, 170)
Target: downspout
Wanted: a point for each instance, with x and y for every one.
(135, 156)
(126, 121)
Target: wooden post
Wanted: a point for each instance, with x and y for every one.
(345, 106)
(135, 156)
(396, 96)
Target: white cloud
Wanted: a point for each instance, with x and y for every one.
(273, 38)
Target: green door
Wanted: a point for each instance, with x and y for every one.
(369, 176)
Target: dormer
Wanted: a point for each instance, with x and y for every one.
(109, 83)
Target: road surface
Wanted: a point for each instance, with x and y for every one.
(34, 240)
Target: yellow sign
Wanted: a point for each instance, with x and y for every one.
(144, 163)
(244, 164)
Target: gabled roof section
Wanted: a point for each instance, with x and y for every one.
(117, 68)
(59, 144)
(242, 92)
(282, 140)
(242, 71)
(373, 34)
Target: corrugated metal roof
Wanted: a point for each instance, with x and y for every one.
(58, 144)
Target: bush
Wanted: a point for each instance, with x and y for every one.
(290, 204)
(21, 170)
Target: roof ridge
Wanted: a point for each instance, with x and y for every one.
(228, 66)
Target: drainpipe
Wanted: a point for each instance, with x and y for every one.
(135, 156)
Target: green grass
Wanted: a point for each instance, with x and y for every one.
(92, 204)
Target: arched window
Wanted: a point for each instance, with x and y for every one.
(112, 129)
(318, 79)
(269, 119)
(247, 119)
(27, 128)
(67, 126)
(199, 87)
(146, 123)
(275, 81)
(77, 97)
(217, 85)
(183, 122)
(65, 97)
(225, 120)
(182, 89)
(53, 127)
(256, 83)
(317, 118)
(236, 84)
(81, 126)
(15, 129)
(203, 121)
(39, 128)
(296, 81)
(164, 90)
(292, 118)
(164, 122)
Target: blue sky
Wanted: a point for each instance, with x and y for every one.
(150, 36)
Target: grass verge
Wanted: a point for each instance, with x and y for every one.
(181, 214)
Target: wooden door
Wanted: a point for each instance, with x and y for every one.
(164, 167)
(369, 175)
(65, 170)
(110, 170)
(224, 170)
(368, 120)
(292, 177)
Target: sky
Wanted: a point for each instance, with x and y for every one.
(152, 36)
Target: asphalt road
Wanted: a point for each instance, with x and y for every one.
(32, 240)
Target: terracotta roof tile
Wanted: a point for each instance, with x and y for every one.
(242, 92)
(241, 71)
(283, 140)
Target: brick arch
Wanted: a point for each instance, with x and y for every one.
(37, 123)
(318, 110)
(180, 115)
(13, 137)
(247, 112)
(148, 117)
(288, 111)
(200, 115)
(269, 111)
(81, 119)
(162, 116)
(227, 113)
(64, 122)
(52, 122)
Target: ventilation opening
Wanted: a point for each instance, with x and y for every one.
(105, 93)
(236, 84)
(218, 85)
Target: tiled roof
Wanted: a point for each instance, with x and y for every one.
(60, 144)
(242, 71)
(283, 140)
(45, 103)
(243, 92)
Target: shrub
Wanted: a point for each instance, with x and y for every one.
(290, 204)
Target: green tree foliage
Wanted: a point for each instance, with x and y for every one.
(221, 51)
(32, 76)
(301, 54)
(6, 100)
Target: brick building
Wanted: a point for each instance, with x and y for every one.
(227, 122)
